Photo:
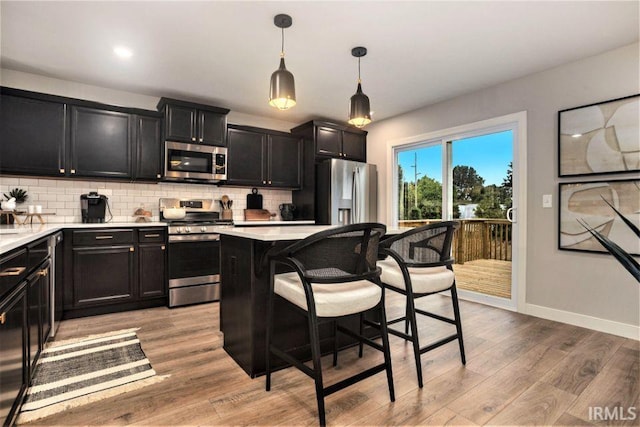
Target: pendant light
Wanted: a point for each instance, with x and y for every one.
(359, 109)
(282, 94)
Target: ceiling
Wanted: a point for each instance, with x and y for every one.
(223, 53)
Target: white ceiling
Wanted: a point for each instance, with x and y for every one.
(223, 53)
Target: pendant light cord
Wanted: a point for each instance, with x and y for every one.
(282, 47)
(359, 81)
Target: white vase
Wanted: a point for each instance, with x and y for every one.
(9, 205)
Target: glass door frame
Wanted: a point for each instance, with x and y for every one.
(517, 123)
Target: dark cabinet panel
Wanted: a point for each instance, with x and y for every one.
(151, 270)
(285, 161)
(246, 158)
(212, 128)
(100, 143)
(103, 275)
(194, 123)
(354, 146)
(328, 142)
(180, 123)
(149, 146)
(13, 336)
(33, 134)
(263, 158)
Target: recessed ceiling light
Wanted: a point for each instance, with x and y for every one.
(576, 135)
(123, 52)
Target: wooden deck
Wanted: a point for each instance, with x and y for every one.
(487, 276)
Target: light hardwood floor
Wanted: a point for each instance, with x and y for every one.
(520, 371)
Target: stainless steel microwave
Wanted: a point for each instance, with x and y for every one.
(194, 162)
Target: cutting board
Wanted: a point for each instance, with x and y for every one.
(254, 200)
(257, 215)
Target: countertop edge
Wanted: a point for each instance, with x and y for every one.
(30, 233)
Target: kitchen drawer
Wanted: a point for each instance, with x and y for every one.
(103, 237)
(150, 235)
(13, 268)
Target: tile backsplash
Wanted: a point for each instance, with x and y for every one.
(62, 196)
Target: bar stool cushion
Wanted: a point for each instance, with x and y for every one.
(423, 279)
(335, 299)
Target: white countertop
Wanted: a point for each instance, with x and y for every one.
(14, 236)
(274, 233)
(271, 223)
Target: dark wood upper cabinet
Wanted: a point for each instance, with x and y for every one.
(330, 140)
(194, 123)
(148, 138)
(285, 161)
(354, 146)
(263, 158)
(33, 134)
(47, 135)
(100, 143)
(246, 157)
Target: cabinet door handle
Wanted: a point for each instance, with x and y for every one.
(104, 237)
(158, 176)
(264, 182)
(43, 273)
(201, 139)
(73, 171)
(269, 182)
(131, 249)
(3, 318)
(163, 247)
(193, 139)
(61, 170)
(12, 271)
(151, 235)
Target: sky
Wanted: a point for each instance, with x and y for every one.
(488, 154)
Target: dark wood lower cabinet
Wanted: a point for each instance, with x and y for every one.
(103, 275)
(109, 270)
(13, 360)
(152, 278)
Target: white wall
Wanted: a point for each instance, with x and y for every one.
(582, 288)
(62, 197)
(37, 83)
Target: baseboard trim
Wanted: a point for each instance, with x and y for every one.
(602, 325)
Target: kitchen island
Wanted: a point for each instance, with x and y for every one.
(243, 304)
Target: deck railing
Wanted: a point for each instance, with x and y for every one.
(476, 238)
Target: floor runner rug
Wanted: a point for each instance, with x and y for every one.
(78, 372)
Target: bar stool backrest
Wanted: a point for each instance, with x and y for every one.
(424, 245)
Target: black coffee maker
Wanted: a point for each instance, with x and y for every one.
(93, 206)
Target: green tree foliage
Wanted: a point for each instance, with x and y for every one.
(467, 185)
(489, 205)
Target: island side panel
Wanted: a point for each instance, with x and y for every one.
(236, 265)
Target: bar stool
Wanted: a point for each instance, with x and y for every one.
(334, 275)
(418, 263)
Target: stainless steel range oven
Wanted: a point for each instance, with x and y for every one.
(194, 252)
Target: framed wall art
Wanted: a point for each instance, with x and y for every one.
(587, 201)
(600, 138)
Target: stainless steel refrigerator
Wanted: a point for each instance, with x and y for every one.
(346, 192)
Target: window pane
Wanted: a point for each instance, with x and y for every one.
(482, 175)
(424, 167)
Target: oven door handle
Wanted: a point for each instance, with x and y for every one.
(194, 238)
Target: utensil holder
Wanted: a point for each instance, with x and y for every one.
(227, 214)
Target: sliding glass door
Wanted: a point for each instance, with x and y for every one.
(467, 177)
